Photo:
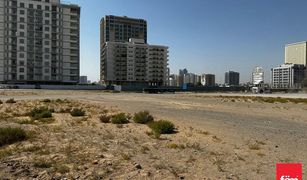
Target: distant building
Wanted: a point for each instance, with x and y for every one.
(288, 76)
(208, 79)
(174, 80)
(191, 79)
(296, 53)
(83, 80)
(121, 29)
(257, 75)
(134, 62)
(182, 72)
(232, 78)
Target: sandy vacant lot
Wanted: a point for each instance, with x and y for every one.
(219, 137)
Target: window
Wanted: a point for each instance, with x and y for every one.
(47, 29)
(47, 21)
(47, 57)
(22, 48)
(47, 1)
(21, 63)
(22, 34)
(22, 11)
(39, 7)
(31, 6)
(22, 19)
(21, 55)
(47, 15)
(47, 36)
(22, 26)
(47, 43)
(46, 70)
(21, 70)
(47, 8)
(21, 41)
(21, 77)
(22, 5)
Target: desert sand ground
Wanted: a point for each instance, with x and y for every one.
(219, 137)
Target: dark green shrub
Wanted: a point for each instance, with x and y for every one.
(77, 112)
(46, 100)
(11, 100)
(162, 127)
(105, 118)
(40, 113)
(143, 117)
(120, 118)
(11, 135)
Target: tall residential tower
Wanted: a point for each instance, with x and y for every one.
(39, 42)
(126, 58)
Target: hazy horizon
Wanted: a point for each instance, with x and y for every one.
(203, 36)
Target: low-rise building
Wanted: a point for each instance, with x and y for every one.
(288, 76)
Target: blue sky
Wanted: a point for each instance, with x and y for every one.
(204, 36)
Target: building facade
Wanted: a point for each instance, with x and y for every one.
(39, 42)
(232, 78)
(296, 53)
(288, 76)
(134, 62)
(83, 80)
(208, 80)
(257, 75)
(126, 58)
(121, 29)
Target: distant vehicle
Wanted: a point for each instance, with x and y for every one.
(261, 88)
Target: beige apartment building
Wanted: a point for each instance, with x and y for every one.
(126, 58)
(296, 53)
(39, 42)
(134, 62)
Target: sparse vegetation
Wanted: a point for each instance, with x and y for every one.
(105, 118)
(11, 135)
(254, 146)
(120, 118)
(42, 163)
(143, 117)
(40, 113)
(46, 100)
(162, 127)
(77, 112)
(10, 101)
(175, 146)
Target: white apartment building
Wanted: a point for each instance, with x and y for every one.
(134, 62)
(288, 76)
(257, 75)
(39, 42)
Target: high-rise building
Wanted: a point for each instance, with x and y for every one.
(134, 62)
(288, 76)
(296, 53)
(121, 29)
(126, 58)
(208, 80)
(39, 42)
(232, 78)
(257, 75)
